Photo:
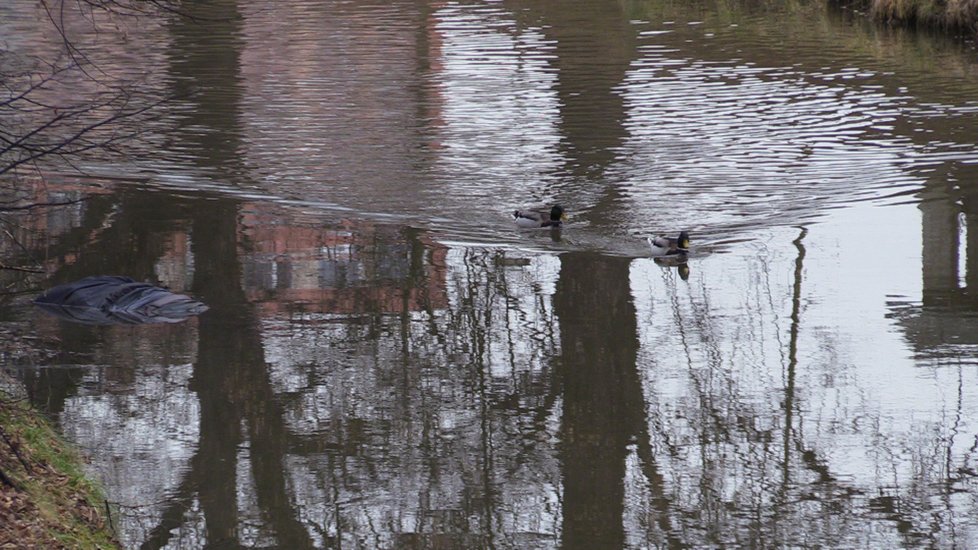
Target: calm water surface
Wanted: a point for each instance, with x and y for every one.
(388, 363)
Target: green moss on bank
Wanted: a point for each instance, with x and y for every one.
(45, 499)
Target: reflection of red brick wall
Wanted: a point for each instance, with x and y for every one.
(368, 265)
(41, 210)
(372, 299)
(291, 260)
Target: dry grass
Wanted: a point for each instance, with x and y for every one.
(962, 13)
(958, 15)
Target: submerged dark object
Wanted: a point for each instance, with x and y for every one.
(110, 300)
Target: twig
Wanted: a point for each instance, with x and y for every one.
(16, 451)
(21, 269)
(7, 481)
(108, 514)
(41, 204)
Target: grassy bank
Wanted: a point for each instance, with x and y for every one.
(45, 499)
(952, 15)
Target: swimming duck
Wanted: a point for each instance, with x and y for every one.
(669, 246)
(539, 218)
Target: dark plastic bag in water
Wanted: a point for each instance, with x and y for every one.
(110, 300)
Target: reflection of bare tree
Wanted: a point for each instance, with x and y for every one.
(753, 453)
(447, 381)
(438, 423)
(361, 384)
(789, 388)
(230, 377)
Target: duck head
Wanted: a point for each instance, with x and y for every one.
(557, 214)
(683, 241)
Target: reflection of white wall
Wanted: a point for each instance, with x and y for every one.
(141, 437)
(177, 272)
(714, 359)
(496, 129)
(739, 144)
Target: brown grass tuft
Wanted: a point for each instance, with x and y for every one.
(957, 15)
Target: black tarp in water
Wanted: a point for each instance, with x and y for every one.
(111, 300)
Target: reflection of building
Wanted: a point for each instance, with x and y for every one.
(44, 226)
(947, 316)
(350, 266)
(62, 203)
(175, 269)
(344, 267)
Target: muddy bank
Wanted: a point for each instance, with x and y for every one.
(45, 499)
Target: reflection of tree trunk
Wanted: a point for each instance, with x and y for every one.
(48, 389)
(206, 51)
(809, 457)
(660, 501)
(231, 380)
(269, 444)
(789, 389)
(232, 385)
(224, 351)
(602, 395)
(230, 376)
(602, 398)
(592, 114)
(172, 516)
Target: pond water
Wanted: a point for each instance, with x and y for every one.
(387, 362)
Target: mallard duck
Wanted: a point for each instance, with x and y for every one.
(669, 246)
(540, 218)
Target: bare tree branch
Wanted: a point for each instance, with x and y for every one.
(37, 122)
(41, 204)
